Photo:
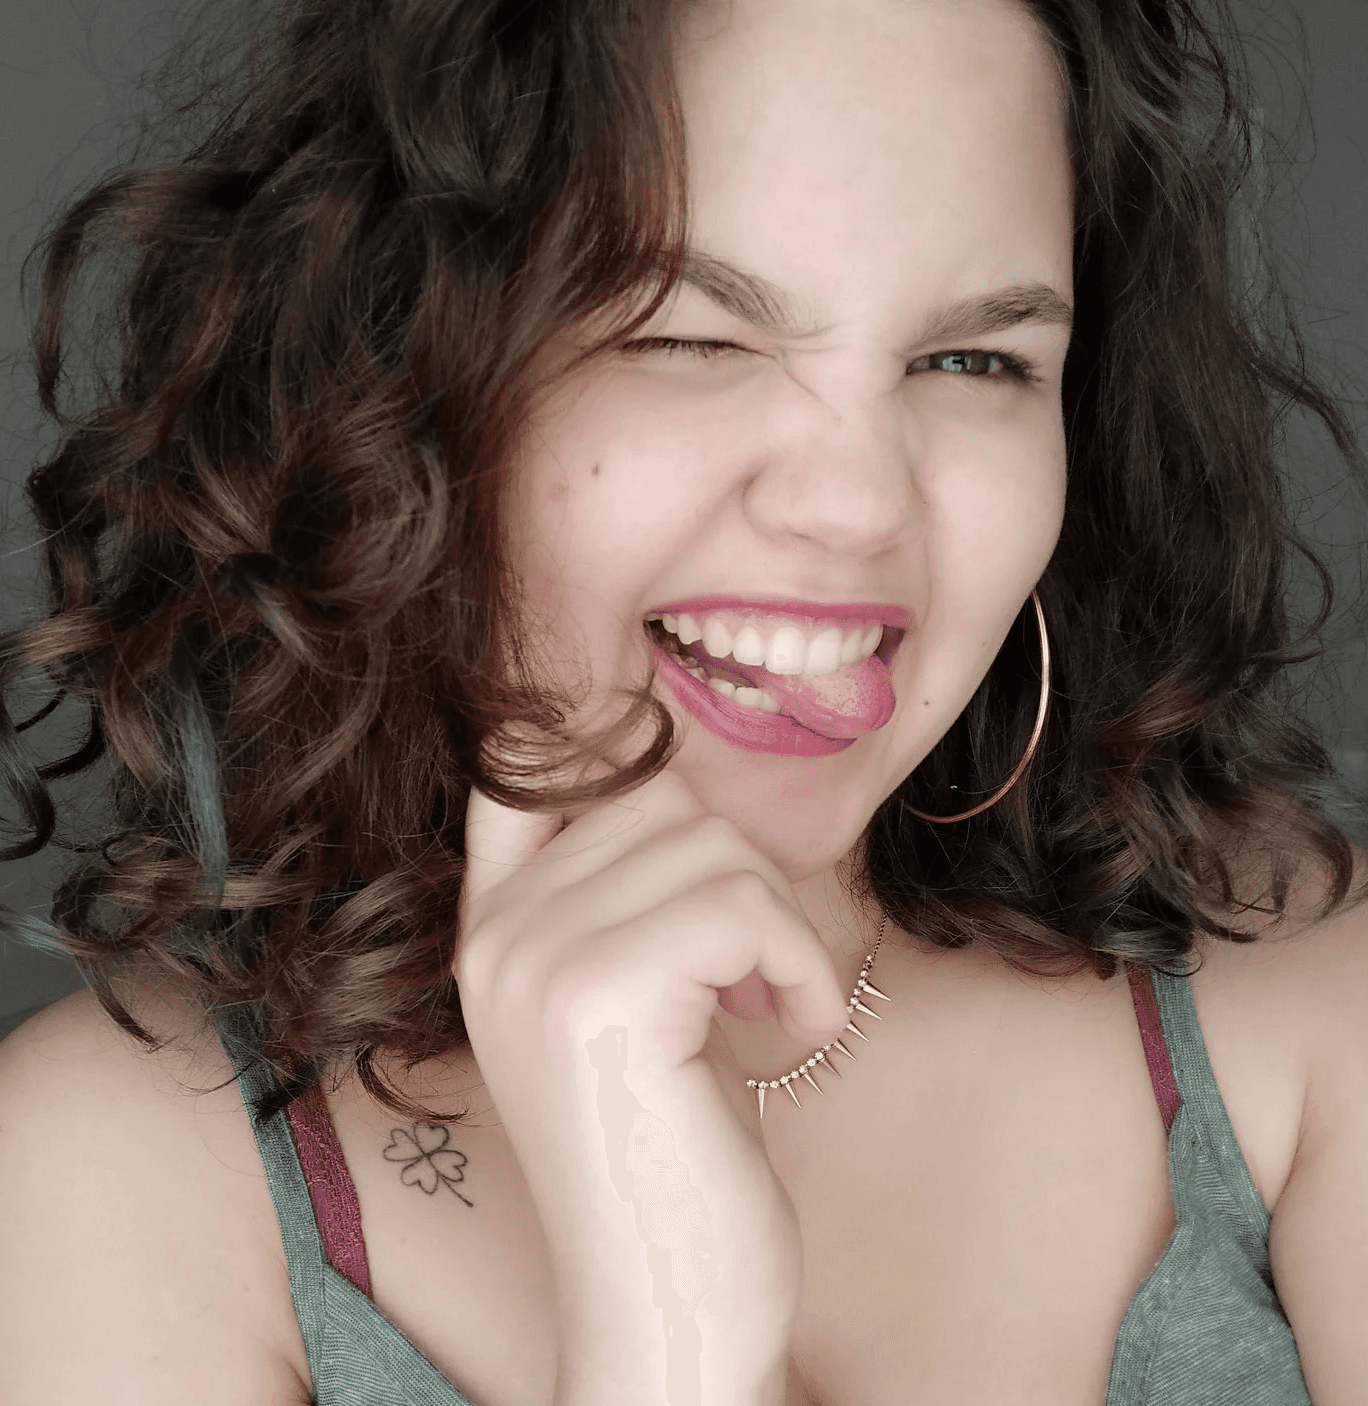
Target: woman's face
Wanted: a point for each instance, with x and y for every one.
(900, 170)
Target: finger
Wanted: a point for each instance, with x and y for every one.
(686, 870)
(612, 828)
(749, 999)
(710, 938)
(665, 864)
(500, 840)
(786, 954)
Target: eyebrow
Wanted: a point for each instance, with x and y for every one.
(766, 306)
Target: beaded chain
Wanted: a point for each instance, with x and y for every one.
(862, 986)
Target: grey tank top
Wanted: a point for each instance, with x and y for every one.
(1205, 1326)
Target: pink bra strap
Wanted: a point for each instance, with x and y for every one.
(331, 1189)
(1156, 1049)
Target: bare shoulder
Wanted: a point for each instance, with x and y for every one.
(1307, 973)
(142, 1257)
(1320, 968)
(1273, 1012)
(1317, 977)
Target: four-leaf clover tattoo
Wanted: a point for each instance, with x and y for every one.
(428, 1161)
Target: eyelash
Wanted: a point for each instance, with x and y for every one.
(1017, 368)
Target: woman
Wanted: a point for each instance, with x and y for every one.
(619, 526)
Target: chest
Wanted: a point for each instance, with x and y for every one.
(979, 1197)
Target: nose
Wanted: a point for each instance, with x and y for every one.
(840, 476)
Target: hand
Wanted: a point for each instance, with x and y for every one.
(590, 961)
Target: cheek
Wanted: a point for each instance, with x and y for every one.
(617, 486)
(538, 507)
(994, 510)
(997, 499)
(595, 514)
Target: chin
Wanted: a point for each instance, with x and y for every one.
(803, 814)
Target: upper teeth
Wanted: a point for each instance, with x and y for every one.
(786, 649)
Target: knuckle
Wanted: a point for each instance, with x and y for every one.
(509, 990)
(673, 791)
(746, 888)
(495, 952)
(716, 830)
(477, 956)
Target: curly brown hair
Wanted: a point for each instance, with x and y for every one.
(278, 579)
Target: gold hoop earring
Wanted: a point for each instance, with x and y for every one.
(1036, 732)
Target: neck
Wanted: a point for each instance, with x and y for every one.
(848, 926)
(848, 929)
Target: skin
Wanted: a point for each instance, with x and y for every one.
(826, 470)
(855, 465)
(879, 159)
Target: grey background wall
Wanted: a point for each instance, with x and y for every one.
(67, 75)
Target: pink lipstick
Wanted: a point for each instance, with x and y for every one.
(820, 713)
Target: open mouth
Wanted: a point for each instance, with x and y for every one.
(828, 676)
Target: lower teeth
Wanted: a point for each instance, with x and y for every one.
(756, 698)
(745, 697)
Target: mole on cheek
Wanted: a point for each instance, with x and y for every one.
(594, 472)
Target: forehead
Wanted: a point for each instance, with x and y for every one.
(892, 57)
(832, 141)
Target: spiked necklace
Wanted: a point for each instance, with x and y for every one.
(820, 1056)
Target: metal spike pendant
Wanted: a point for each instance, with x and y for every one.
(819, 1057)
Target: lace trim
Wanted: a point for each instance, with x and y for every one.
(331, 1189)
(1156, 1050)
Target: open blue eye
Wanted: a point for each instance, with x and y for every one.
(980, 365)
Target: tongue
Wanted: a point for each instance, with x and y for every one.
(848, 703)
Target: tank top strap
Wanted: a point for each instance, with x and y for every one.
(1181, 1073)
(1206, 1324)
(285, 1177)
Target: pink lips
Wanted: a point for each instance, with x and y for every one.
(781, 734)
(894, 616)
